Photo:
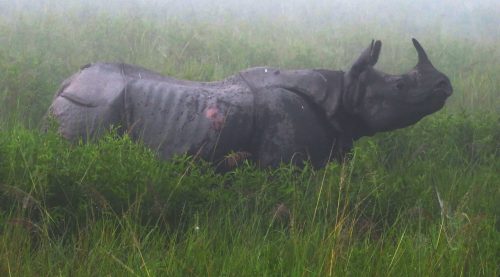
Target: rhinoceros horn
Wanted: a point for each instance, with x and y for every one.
(422, 56)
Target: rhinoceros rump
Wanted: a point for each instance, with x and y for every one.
(271, 115)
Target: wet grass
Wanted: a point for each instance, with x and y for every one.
(422, 201)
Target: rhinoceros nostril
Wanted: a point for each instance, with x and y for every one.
(442, 84)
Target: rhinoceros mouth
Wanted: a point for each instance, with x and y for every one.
(423, 98)
(439, 96)
(435, 101)
(443, 93)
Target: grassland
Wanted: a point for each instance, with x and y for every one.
(422, 201)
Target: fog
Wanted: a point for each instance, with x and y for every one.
(44, 41)
(478, 20)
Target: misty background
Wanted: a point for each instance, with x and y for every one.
(43, 42)
(464, 18)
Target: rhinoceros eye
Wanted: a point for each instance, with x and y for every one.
(400, 85)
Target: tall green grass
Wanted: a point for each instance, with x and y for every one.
(422, 201)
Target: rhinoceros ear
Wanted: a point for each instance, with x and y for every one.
(368, 58)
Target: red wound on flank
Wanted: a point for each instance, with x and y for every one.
(214, 115)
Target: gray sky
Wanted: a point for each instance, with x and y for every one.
(475, 19)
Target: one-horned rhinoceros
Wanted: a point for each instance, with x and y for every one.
(270, 115)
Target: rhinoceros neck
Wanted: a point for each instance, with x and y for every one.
(322, 88)
(346, 123)
(340, 110)
(350, 125)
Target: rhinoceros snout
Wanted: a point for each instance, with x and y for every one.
(443, 86)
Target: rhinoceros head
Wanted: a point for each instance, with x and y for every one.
(386, 102)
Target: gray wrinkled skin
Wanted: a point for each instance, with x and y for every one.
(270, 115)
